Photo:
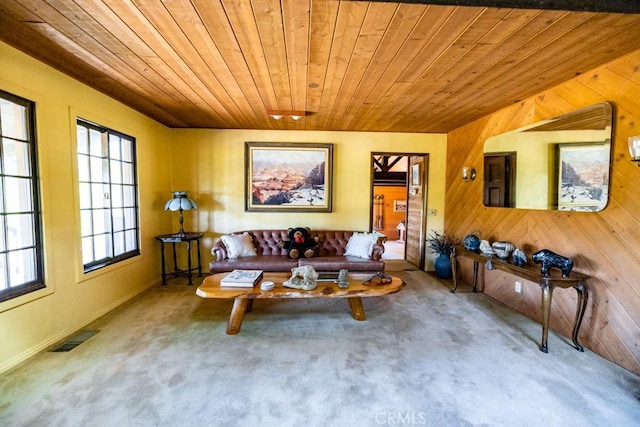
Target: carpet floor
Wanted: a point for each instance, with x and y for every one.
(424, 356)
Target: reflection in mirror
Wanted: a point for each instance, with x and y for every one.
(556, 164)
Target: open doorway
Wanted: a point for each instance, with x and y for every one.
(398, 204)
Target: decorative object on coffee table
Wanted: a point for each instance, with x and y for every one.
(549, 259)
(378, 278)
(304, 277)
(343, 278)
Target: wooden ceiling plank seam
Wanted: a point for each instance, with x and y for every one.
(160, 84)
(456, 24)
(614, 38)
(462, 48)
(109, 22)
(112, 88)
(213, 15)
(507, 48)
(556, 46)
(247, 38)
(159, 15)
(124, 72)
(484, 80)
(415, 91)
(323, 20)
(382, 96)
(394, 98)
(488, 15)
(76, 35)
(529, 70)
(296, 28)
(454, 71)
(548, 52)
(481, 49)
(349, 21)
(268, 17)
(367, 44)
(404, 22)
(535, 26)
(135, 19)
(188, 19)
(17, 34)
(381, 62)
(164, 19)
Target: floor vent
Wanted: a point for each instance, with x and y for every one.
(74, 341)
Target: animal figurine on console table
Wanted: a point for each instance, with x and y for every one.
(486, 248)
(550, 259)
(519, 257)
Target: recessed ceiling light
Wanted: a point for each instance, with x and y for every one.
(294, 114)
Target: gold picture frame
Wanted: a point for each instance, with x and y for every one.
(288, 177)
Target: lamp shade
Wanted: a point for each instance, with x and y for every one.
(180, 201)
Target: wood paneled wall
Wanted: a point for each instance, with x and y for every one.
(390, 217)
(605, 245)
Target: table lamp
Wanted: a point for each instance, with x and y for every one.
(180, 202)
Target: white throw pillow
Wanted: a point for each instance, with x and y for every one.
(238, 246)
(361, 245)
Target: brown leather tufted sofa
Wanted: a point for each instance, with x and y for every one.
(271, 257)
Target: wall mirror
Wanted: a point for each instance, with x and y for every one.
(557, 164)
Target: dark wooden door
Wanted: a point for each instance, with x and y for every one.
(499, 179)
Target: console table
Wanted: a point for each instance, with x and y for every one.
(180, 238)
(533, 274)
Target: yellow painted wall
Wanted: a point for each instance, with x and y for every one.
(211, 166)
(71, 299)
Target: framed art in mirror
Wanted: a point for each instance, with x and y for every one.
(562, 163)
(288, 177)
(583, 182)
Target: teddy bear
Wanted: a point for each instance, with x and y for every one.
(300, 243)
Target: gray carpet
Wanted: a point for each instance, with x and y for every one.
(424, 356)
(393, 265)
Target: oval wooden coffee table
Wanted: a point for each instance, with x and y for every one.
(243, 297)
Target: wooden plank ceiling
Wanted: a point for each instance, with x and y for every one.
(350, 65)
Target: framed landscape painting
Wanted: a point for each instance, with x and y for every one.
(288, 177)
(583, 181)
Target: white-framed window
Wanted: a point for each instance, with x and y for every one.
(21, 255)
(108, 191)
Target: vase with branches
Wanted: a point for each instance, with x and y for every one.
(442, 245)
